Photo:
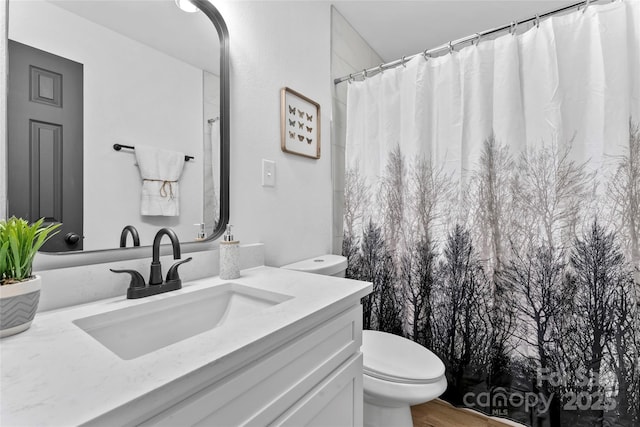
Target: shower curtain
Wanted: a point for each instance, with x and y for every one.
(492, 196)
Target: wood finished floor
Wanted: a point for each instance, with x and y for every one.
(438, 413)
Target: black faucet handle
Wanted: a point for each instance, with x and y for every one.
(172, 274)
(137, 281)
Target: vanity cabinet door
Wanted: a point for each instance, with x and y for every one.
(304, 373)
(336, 402)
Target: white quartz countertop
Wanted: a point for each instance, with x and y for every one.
(57, 374)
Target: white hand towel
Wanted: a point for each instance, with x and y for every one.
(160, 170)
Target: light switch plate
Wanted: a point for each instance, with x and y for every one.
(268, 173)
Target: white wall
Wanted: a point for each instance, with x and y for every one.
(273, 45)
(350, 53)
(133, 94)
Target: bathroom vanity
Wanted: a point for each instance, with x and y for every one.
(272, 347)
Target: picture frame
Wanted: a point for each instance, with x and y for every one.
(300, 124)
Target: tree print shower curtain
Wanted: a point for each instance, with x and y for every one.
(492, 196)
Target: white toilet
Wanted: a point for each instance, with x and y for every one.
(397, 372)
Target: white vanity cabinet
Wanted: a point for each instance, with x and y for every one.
(294, 363)
(313, 379)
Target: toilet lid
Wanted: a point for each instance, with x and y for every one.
(393, 358)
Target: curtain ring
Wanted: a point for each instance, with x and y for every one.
(350, 80)
(426, 54)
(586, 6)
(364, 73)
(380, 70)
(450, 48)
(477, 39)
(402, 61)
(513, 27)
(537, 21)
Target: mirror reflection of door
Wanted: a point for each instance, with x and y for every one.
(143, 83)
(45, 152)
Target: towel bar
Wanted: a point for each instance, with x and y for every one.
(119, 147)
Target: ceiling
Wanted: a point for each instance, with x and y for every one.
(190, 37)
(393, 28)
(398, 28)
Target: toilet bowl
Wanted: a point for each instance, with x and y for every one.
(397, 372)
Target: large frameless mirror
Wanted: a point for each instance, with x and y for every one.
(89, 81)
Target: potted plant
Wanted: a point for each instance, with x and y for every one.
(19, 288)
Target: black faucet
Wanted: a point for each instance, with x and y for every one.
(139, 289)
(129, 229)
(155, 278)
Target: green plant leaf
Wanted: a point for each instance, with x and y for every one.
(3, 259)
(14, 245)
(19, 243)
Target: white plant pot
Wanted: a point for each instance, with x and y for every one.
(18, 305)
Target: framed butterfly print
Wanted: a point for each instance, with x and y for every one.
(300, 124)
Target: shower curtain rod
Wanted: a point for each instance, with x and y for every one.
(450, 46)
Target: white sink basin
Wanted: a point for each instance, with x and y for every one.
(135, 331)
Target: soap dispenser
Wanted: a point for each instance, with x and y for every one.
(229, 256)
(202, 234)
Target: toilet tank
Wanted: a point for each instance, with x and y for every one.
(328, 265)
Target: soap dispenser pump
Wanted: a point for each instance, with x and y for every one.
(229, 256)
